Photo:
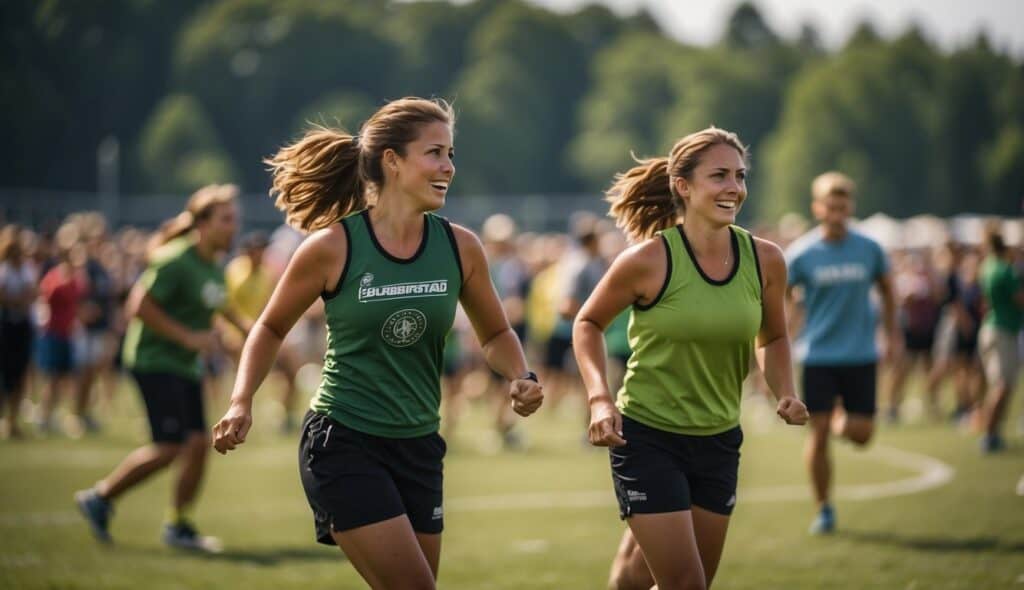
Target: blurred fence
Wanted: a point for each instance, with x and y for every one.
(46, 209)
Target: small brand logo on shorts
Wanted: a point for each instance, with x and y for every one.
(404, 327)
(438, 513)
(635, 496)
(732, 501)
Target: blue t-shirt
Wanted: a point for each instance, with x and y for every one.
(839, 328)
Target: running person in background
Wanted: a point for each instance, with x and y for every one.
(837, 267)
(918, 300)
(61, 290)
(512, 282)
(391, 274)
(17, 292)
(93, 344)
(171, 309)
(997, 341)
(702, 292)
(249, 286)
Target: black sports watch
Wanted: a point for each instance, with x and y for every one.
(530, 376)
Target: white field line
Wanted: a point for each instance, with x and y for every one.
(930, 473)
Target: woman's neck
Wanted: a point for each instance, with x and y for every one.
(204, 248)
(395, 219)
(707, 239)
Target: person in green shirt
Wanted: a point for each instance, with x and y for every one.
(702, 291)
(171, 310)
(371, 459)
(997, 341)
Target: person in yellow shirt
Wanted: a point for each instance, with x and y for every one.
(249, 286)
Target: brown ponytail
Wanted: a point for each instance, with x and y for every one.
(644, 200)
(316, 180)
(641, 199)
(330, 173)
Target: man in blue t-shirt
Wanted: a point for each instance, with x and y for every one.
(836, 268)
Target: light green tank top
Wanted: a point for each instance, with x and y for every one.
(386, 326)
(692, 346)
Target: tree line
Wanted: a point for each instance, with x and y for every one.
(199, 91)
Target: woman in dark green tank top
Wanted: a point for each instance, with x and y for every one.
(390, 275)
(702, 290)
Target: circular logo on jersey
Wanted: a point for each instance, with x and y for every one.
(366, 280)
(213, 295)
(404, 328)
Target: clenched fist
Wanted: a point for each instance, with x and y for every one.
(230, 431)
(793, 411)
(605, 428)
(527, 395)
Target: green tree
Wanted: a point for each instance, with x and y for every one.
(254, 65)
(516, 101)
(635, 86)
(340, 109)
(433, 40)
(868, 112)
(179, 149)
(75, 73)
(746, 29)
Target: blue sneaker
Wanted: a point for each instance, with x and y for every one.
(182, 535)
(992, 443)
(825, 523)
(97, 511)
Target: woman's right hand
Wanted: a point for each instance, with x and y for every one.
(605, 423)
(230, 431)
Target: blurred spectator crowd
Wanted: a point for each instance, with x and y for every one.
(62, 295)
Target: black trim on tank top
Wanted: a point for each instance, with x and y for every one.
(693, 257)
(392, 257)
(757, 264)
(664, 285)
(328, 295)
(455, 246)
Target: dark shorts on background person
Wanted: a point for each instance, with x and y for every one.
(354, 479)
(557, 349)
(919, 342)
(658, 471)
(174, 405)
(55, 354)
(854, 384)
(16, 340)
(967, 345)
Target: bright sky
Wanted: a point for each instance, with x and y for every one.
(950, 23)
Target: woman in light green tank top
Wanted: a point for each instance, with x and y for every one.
(390, 275)
(702, 292)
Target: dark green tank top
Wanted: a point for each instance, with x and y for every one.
(386, 326)
(693, 345)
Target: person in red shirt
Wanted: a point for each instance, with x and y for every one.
(60, 291)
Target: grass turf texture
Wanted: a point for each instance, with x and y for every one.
(541, 518)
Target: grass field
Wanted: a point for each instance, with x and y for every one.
(922, 509)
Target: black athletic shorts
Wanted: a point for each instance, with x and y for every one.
(855, 384)
(921, 342)
(554, 355)
(174, 405)
(658, 471)
(353, 479)
(16, 341)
